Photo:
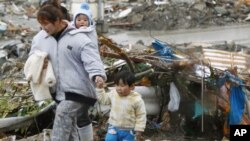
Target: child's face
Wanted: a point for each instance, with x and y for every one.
(123, 89)
(82, 20)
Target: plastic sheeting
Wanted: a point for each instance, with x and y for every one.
(175, 98)
(162, 49)
(237, 103)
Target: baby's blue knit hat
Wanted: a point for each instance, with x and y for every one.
(84, 9)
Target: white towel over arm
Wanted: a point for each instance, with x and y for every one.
(40, 79)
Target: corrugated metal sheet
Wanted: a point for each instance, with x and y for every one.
(224, 60)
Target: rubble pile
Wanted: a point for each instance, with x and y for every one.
(173, 15)
(188, 66)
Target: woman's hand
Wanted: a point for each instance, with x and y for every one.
(45, 63)
(99, 82)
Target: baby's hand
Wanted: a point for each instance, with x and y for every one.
(139, 136)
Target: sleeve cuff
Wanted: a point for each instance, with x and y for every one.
(100, 90)
(139, 129)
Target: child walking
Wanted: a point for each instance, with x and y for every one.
(83, 21)
(127, 119)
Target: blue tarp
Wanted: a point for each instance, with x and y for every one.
(236, 98)
(163, 49)
(237, 103)
(198, 109)
(228, 76)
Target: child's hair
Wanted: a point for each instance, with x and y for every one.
(126, 77)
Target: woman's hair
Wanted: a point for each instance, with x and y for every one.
(52, 11)
(126, 77)
(53, 2)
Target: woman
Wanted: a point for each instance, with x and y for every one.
(77, 66)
